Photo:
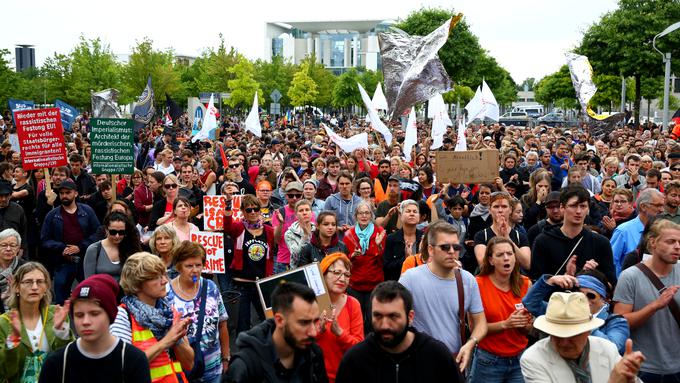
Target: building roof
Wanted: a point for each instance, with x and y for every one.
(360, 26)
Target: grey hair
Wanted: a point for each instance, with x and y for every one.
(407, 202)
(7, 233)
(167, 230)
(645, 196)
(531, 153)
(367, 205)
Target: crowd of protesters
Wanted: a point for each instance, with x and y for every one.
(563, 268)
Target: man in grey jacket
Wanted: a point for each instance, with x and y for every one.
(343, 203)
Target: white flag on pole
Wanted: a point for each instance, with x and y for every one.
(436, 110)
(379, 100)
(209, 122)
(475, 107)
(358, 141)
(376, 123)
(461, 143)
(490, 105)
(253, 120)
(411, 138)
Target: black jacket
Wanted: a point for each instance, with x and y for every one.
(395, 254)
(426, 360)
(13, 217)
(552, 248)
(312, 251)
(538, 228)
(255, 361)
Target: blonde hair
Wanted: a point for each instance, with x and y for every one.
(167, 230)
(210, 160)
(14, 299)
(139, 268)
(658, 226)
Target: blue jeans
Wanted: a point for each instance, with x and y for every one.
(487, 367)
(225, 281)
(280, 267)
(249, 296)
(648, 377)
(64, 275)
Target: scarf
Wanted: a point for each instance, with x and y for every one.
(480, 211)
(364, 236)
(158, 319)
(5, 274)
(253, 226)
(581, 367)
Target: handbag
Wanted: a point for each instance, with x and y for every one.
(672, 304)
(196, 373)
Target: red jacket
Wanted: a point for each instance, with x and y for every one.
(367, 269)
(237, 231)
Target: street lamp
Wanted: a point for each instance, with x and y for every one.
(667, 75)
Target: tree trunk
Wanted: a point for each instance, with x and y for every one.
(638, 98)
(648, 109)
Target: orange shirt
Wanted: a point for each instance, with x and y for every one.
(498, 305)
(410, 262)
(333, 347)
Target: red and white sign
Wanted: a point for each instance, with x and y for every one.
(41, 138)
(213, 211)
(214, 250)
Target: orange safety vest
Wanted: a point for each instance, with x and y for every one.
(163, 368)
(380, 194)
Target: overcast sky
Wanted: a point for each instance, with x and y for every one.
(527, 37)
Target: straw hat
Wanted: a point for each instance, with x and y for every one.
(568, 314)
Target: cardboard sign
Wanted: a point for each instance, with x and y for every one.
(309, 275)
(112, 146)
(41, 138)
(213, 211)
(469, 167)
(214, 250)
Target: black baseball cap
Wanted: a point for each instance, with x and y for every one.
(67, 184)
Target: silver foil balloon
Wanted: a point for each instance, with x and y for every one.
(105, 104)
(411, 67)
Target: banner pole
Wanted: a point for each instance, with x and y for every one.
(48, 180)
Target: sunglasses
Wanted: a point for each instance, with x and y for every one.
(294, 195)
(675, 169)
(113, 232)
(234, 166)
(591, 296)
(448, 246)
(170, 186)
(252, 209)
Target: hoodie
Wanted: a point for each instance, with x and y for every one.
(552, 248)
(426, 360)
(295, 238)
(256, 359)
(343, 209)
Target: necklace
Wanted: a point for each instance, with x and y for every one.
(179, 287)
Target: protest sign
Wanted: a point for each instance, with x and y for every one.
(68, 114)
(214, 250)
(41, 138)
(17, 105)
(112, 146)
(308, 275)
(213, 211)
(469, 167)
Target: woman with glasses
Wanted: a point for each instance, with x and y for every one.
(253, 256)
(189, 292)
(343, 327)
(365, 245)
(163, 243)
(147, 320)
(364, 189)
(264, 195)
(33, 327)
(162, 209)
(181, 212)
(108, 255)
(10, 244)
(135, 180)
(300, 232)
(501, 287)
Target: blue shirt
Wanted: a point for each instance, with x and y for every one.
(625, 239)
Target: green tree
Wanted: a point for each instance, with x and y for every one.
(370, 79)
(303, 90)
(243, 86)
(556, 89)
(145, 61)
(459, 94)
(608, 91)
(8, 80)
(499, 80)
(324, 79)
(276, 74)
(528, 82)
(619, 44)
(346, 93)
(216, 69)
(93, 68)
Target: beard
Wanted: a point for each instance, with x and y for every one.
(397, 337)
(294, 343)
(66, 202)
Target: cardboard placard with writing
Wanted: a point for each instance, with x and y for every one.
(214, 250)
(112, 146)
(309, 275)
(41, 138)
(468, 167)
(213, 211)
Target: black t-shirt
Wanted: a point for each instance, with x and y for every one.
(106, 369)
(255, 251)
(483, 236)
(382, 210)
(245, 187)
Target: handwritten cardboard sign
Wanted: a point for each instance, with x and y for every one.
(214, 250)
(213, 211)
(468, 167)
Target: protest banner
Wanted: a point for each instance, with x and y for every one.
(469, 167)
(18, 105)
(41, 138)
(68, 114)
(308, 275)
(213, 211)
(112, 146)
(214, 250)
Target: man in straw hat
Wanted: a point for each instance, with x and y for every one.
(570, 354)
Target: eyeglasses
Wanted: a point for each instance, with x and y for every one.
(234, 166)
(265, 190)
(675, 169)
(448, 246)
(619, 202)
(113, 232)
(170, 186)
(339, 274)
(252, 209)
(31, 282)
(294, 195)
(363, 213)
(591, 296)
(8, 246)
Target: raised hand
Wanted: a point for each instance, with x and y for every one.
(61, 313)
(563, 281)
(627, 368)
(571, 266)
(15, 322)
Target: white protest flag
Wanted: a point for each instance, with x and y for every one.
(489, 101)
(376, 123)
(358, 141)
(253, 120)
(209, 122)
(461, 143)
(475, 107)
(411, 138)
(379, 100)
(436, 110)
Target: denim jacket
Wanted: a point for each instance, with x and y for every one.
(52, 231)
